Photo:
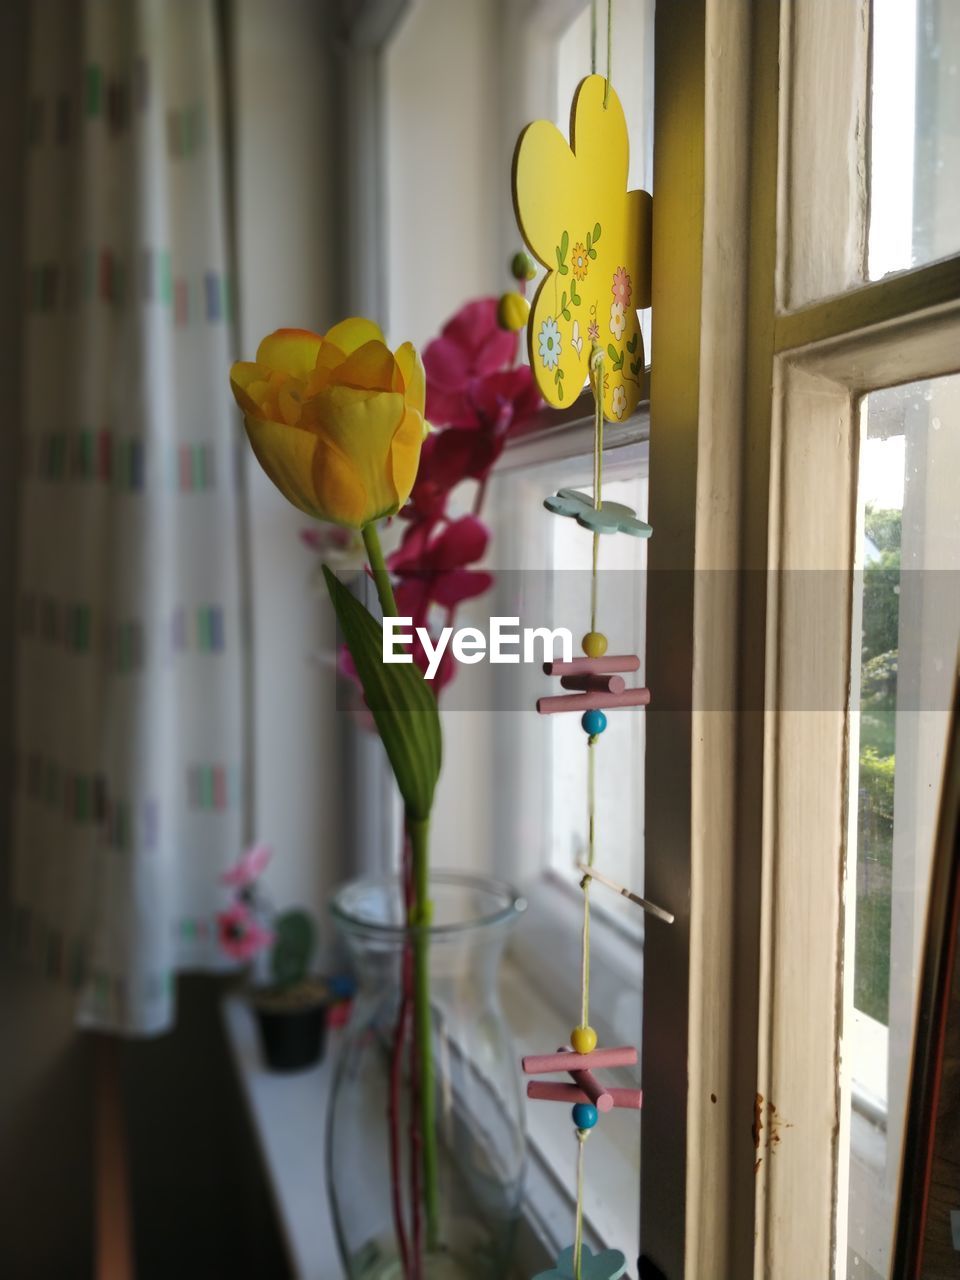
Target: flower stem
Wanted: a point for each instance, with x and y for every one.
(378, 567)
(421, 918)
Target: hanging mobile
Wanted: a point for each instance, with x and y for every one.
(593, 236)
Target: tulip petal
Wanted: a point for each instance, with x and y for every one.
(290, 350)
(350, 334)
(287, 456)
(414, 376)
(371, 367)
(405, 454)
(341, 494)
(362, 425)
(242, 375)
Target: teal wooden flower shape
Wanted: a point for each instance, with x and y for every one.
(609, 1265)
(611, 517)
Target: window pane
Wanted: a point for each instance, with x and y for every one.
(619, 794)
(909, 629)
(548, 582)
(915, 134)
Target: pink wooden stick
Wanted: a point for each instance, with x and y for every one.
(598, 1094)
(592, 701)
(594, 684)
(537, 1064)
(593, 666)
(547, 1091)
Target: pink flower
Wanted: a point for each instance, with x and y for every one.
(471, 346)
(593, 331)
(622, 289)
(249, 867)
(432, 568)
(240, 934)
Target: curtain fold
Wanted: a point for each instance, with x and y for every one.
(130, 717)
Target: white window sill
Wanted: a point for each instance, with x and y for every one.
(289, 1114)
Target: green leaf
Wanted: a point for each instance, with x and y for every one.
(587, 245)
(566, 313)
(559, 259)
(564, 244)
(559, 390)
(403, 707)
(632, 344)
(596, 233)
(574, 296)
(293, 948)
(612, 352)
(593, 253)
(634, 366)
(563, 300)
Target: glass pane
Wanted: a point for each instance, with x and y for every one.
(915, 134)
(623, 584)
(909, 626)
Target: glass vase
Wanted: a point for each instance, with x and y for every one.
(390, 1224)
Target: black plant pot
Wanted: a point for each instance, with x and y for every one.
(292, 1039)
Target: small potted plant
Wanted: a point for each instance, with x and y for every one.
(289, 1002)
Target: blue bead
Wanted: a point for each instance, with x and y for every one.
(584, 1115)
(593, 722)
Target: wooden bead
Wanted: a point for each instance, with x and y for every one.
(593, 722)
(594, 644)
(584, 1115)
(583, 1039)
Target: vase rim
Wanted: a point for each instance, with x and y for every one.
(511, 906)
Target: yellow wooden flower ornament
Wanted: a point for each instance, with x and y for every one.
(593, 236)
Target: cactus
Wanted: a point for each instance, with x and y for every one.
(293, 948)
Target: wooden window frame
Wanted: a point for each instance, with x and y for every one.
(753, 457)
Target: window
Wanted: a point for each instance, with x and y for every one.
(862, 425)
(909, 632)
(540, 783)
(914, 135)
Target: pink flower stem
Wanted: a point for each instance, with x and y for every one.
(416, 1156)
(396, 1072)
(410, 1267)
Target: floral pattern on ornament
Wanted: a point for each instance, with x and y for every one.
(592, 233)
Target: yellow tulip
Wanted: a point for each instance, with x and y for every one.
(336, 421)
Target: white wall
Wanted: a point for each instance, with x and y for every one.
(443, 163)
(287, 251)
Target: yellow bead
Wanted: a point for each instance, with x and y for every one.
(594, 644)
(512, 312)
(583, 1039)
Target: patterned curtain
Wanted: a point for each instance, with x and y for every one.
(130, 676)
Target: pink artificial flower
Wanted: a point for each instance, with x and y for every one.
(470, 347)
(249, 867)
(240, 934)
(621, 289)
(432, 569)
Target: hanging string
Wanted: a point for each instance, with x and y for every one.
(606, 91)
(596, 385)
(582, 1136)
